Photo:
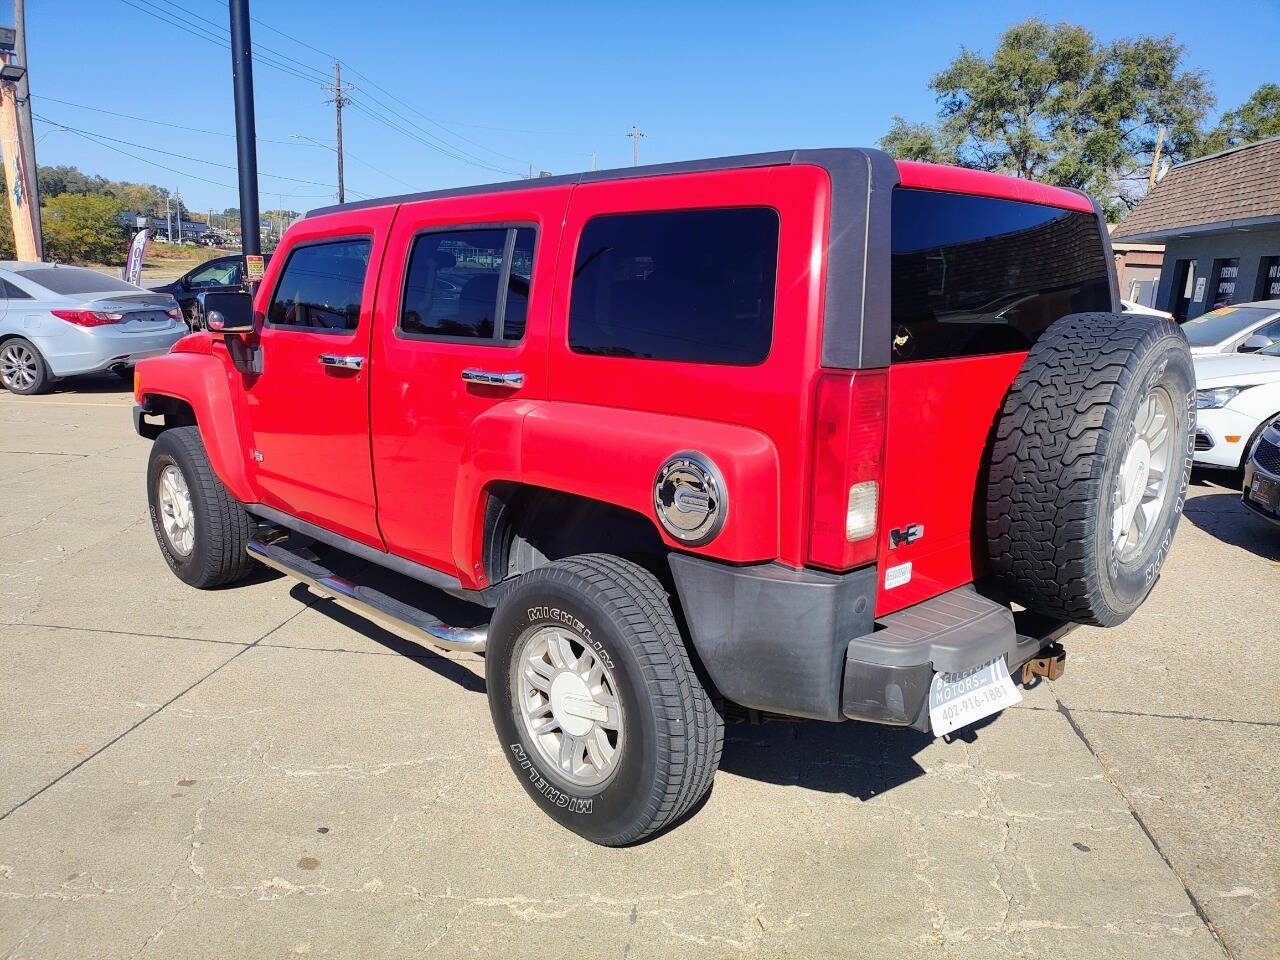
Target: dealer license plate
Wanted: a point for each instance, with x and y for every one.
(959, 699)
(1265, 492)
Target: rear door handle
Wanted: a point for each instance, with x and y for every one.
(511, 380)
(340, 360)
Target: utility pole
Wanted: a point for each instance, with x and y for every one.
(17, 169)
(593, 159)
(178, 203)
(24, 121)
(1155, 158)
(635, 136)
(339, 99)
(168, 222)
(246, 128)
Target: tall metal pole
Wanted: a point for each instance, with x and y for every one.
(24, 121)
(337, 102)
(246, 129)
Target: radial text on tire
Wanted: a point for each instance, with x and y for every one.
(202, 530)
(596, 704)
(1090, 465)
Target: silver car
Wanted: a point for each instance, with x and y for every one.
(56, 321)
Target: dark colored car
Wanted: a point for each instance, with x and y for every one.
(220, 275)
(1262, 475)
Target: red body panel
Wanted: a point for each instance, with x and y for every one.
(773, 399)
(930, 176)
(310, 423)
(423, 417)
(941, 415)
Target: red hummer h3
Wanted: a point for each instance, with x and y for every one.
(815, 432)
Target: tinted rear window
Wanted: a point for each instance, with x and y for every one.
(72, 281)
(691, 285)
(977, 275)
(1224, 323)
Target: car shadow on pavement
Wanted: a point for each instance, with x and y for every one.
(861, 760)
(1223, 516)
(92, 383)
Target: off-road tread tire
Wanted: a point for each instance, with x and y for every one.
(1044, 492)
(220, 519)
(690, 728)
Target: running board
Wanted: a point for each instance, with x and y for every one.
(387, 612)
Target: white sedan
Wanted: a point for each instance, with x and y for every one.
(1242, 327)
(1237, 395)
(56, 321)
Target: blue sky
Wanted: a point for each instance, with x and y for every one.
(506, 85)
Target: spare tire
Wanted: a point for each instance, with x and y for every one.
(1090, 465)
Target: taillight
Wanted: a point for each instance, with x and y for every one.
(88, 318)
(848, 467)
(174, 313)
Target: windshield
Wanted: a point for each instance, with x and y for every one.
(75, 280)
(1222, 324)
(1271, 351)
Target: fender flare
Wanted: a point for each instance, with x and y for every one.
(200, 380)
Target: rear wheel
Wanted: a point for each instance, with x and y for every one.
(22, 369)
(202, 530)
(1092, 454)
(595, 701)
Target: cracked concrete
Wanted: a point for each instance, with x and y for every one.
(252, 772)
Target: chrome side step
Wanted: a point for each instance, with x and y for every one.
(387, 612)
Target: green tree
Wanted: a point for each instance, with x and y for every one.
(1255, 119)
(1052, 103)
(82, 228)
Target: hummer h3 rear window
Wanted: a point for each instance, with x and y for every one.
(690, 285)
(978, 275)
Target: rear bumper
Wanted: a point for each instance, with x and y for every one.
(806, 643)
(88, 351)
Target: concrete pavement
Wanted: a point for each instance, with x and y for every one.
(256, 773)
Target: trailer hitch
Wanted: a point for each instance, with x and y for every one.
(1049, 664)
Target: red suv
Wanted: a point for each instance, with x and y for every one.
(812, 432)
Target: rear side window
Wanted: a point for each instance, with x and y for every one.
(978, 275)
(321, 287)
(469, 284)
(689, 285)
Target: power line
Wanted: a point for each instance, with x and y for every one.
(392, 124)
(162, 123)
(107, 141)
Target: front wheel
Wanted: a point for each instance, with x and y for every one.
(597, 706)
(202, 530)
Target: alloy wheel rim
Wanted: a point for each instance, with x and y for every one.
(568, 702)
(17, 366)
(1144, 482)
(177, 517)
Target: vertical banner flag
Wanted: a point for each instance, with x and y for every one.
(137, 250)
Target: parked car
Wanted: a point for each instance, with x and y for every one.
(1128, 306)
(56, 321)
(221, 274)
(791, 431)
(1243, 328)
(1261, 489)
(1236, 395)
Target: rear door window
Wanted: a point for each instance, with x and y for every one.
(321, 287)
(689, 285)
(470, 284)
(979, 275)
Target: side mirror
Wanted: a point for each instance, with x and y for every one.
(226, 312)
(1255, 343)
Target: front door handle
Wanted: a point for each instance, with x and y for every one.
(512, 380)
(340, 360)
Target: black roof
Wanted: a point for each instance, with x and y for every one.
(773, 159)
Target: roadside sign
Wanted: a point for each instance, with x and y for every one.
(253, 268)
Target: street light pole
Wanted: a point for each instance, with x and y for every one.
(246, 129)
